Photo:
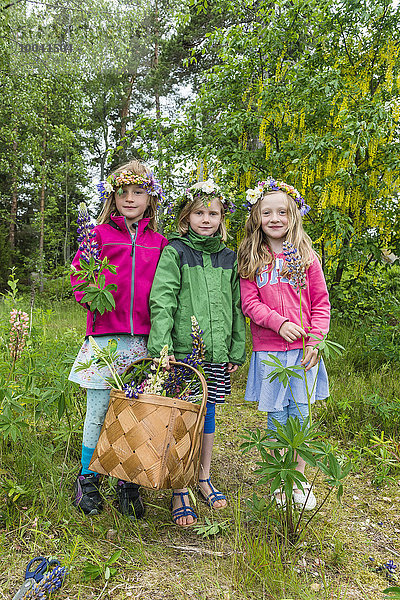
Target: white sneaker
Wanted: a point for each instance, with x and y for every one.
(279, 497)
(306, 499)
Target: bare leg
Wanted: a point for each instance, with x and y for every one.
(177, 503)
(205, 464)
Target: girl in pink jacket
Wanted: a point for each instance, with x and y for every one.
(270, 299)
(126, 234)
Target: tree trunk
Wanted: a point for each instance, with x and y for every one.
(66, 236)
(126, 103)
(156, 94)
(42, 197)
(14, 195)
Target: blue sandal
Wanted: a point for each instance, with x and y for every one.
(213, 496)
(183, 511)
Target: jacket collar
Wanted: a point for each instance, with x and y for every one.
(120, 223)
(204, 243)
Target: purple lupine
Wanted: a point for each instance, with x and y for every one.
(86, 236)
(296, 275)
(178, 377)
(51, 582)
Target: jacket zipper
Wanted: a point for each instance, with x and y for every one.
(133, 251)
(94, 320)
(281, 297)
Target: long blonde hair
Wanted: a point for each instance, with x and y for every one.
(191, 206)
(255, 251)
(109, 207)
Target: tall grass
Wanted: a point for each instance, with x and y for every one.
(160, 561)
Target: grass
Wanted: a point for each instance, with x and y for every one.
(162, 562)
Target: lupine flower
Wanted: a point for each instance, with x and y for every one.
(297, 274)
(86, 236)
(51, 582)
(175, 381)
(19, 321)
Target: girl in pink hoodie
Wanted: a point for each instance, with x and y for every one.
(126, 235)
(270, 299)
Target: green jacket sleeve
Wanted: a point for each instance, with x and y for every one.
(164, 301)
(237, 353)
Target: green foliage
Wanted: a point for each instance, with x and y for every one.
(372, 304)
(393, 592)
(283, 374)
(96, 293)
(278, 450)
(211, 527)
(12, 490)
(104, 569)
(386, 457)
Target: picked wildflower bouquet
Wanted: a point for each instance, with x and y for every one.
(97, 294)
(151, 435)
(152, 378)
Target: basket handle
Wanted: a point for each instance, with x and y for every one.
(195, 371)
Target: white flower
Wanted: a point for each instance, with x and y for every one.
(208, 186)
(164, 356)
(189, 195)
(108, 187)
(253, 195)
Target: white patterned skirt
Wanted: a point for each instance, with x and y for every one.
(129, 348)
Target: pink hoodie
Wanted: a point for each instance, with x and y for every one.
(136, 255)
(271, 300)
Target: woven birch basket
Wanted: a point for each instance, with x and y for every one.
(154, 441)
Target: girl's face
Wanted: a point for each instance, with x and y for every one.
(274, 217)
(132, 203)
(205, 220)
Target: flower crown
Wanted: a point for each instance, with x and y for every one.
(200, 191)
(271, 185)
(116, 181)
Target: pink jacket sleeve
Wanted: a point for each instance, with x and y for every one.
(256, 310)
(320, 305)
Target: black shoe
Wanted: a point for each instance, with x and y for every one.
(130, 502)
(87, 494)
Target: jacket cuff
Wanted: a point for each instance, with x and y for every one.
(276, 321)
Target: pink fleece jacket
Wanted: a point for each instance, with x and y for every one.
(136, 255)
(271, 300)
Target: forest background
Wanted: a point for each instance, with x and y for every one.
(308, 91)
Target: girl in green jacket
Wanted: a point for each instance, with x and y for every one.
(197, 275)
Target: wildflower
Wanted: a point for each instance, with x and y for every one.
(271, 185)
(253, 195)
(19, 321)
(177, 381)
(86, 236)
(295, 268)
(51, 582)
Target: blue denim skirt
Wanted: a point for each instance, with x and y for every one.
(273, 396)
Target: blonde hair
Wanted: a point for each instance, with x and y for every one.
(192, 205)
(109, 206)
(255, 251)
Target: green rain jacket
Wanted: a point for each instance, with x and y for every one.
(197, 275)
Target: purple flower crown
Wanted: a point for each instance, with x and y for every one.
(272, 185)
(116, 181)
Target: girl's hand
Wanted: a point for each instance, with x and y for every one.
(231, 368)
(170, 357)
(310, 357)
(291, 331)
(167, 360)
